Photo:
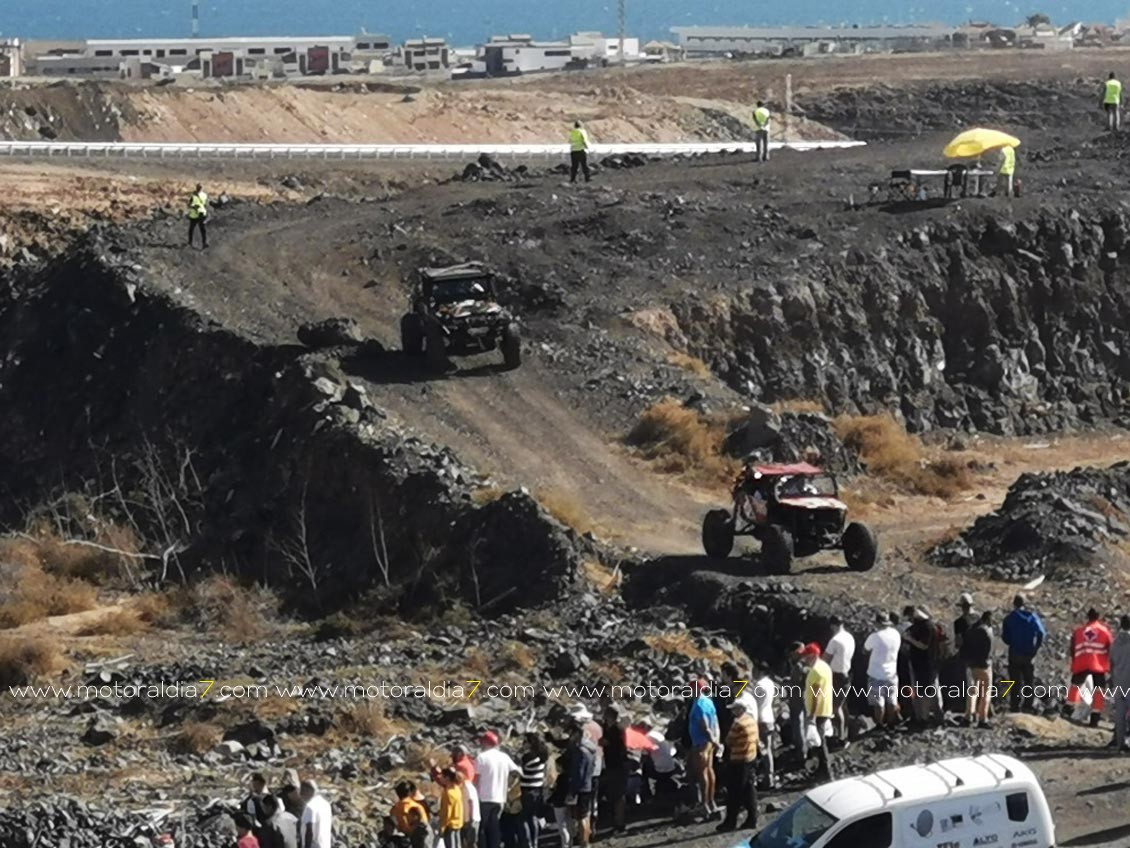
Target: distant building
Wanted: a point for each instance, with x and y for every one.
(11, 58)
(426, 54)
(507, 55)
(663, 51)
(713, 41)
(108, 58)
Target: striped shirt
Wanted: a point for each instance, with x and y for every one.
(533, 771)
(741, 741)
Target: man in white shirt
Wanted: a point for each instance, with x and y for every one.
(493, 768)
(317, 818)
(765, 696)
(838, 654)
(471, 813)
(882, 672)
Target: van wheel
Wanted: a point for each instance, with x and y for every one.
(860, 547)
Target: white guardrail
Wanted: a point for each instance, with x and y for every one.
(140, 150)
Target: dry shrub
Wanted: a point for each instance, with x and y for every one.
(598, 575)
(195, 737)
(23, 660)
(34, 595)
(799, 406)
(117, 623)
(218, 604)
(565, 508)
(366, 720)
(485, 495)
(153, 608)
(681, 642)
(680, 440)
(689, 363)
(893, 454)
(516, 656)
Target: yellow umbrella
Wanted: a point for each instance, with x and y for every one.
(976, 141)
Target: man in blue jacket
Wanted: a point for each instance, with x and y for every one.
(1024, 634)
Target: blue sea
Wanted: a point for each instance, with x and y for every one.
(472, 21)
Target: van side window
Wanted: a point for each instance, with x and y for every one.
(1017, 804)
(873, 832)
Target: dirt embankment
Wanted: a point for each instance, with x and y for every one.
(349, 114)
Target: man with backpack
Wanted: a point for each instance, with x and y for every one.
(1024, 633)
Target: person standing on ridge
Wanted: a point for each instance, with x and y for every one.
(1024, 633)
(493, 768)
(818, 701)
(198, 216)
(1120, 683)
(1112, 102)
(741, 745)
(579, 144)
(1090, 657)
(977, 652)
(761, 118)
(704, 736)
(1006, 172)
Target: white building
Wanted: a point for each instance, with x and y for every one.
(712, 40)
(426, 54)
(11, 58)
(105, 57)
(506, 55)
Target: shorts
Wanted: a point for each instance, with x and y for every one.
(583, 808)
(839, 690)
(881, 693)
(703, 754)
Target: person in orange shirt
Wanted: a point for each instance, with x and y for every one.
(1090, 655)
(406, 793)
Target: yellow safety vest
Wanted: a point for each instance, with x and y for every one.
(1008, 161)
(761, 118)
(198, 206)
(578, 140)
(1113, 95)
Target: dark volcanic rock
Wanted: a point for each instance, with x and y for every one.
(1049, 524)
(767, 436)
(333, 332)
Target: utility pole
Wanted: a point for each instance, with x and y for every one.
(623, 23)
(195, 18)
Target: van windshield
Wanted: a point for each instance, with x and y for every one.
(797, 827)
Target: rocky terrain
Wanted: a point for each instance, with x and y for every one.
(247, 411)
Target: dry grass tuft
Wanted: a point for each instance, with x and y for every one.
(485, 495)
(366, 720)
(195, 738)
(799, 406)
(895, 455)
(681, 642)
(598, 575)
(218, 604)
(118, 623)
(565, 508)
(23, 660)
(689, 363)
(683, 441)
(34, 595)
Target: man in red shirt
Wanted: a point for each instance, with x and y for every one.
(1090, 655)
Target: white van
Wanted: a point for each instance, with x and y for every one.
(968, 802)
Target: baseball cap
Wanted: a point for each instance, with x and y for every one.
(965, 599)
(812, 649)
(490, 738)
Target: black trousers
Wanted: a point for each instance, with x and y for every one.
(490, 829)
(193, 225)
(579, 159)
(741, 792)
(1022, 670)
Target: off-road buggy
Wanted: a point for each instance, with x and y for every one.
(455, 312)
(794, 511)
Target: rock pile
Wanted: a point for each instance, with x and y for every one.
(768, 436)
(1052, 524)
(488, 169)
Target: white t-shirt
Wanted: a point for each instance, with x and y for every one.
(841, 651)
(318, 815)
(663, 755)
(765, 693)
(884, 648)
(492, 774)
(470, 802)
